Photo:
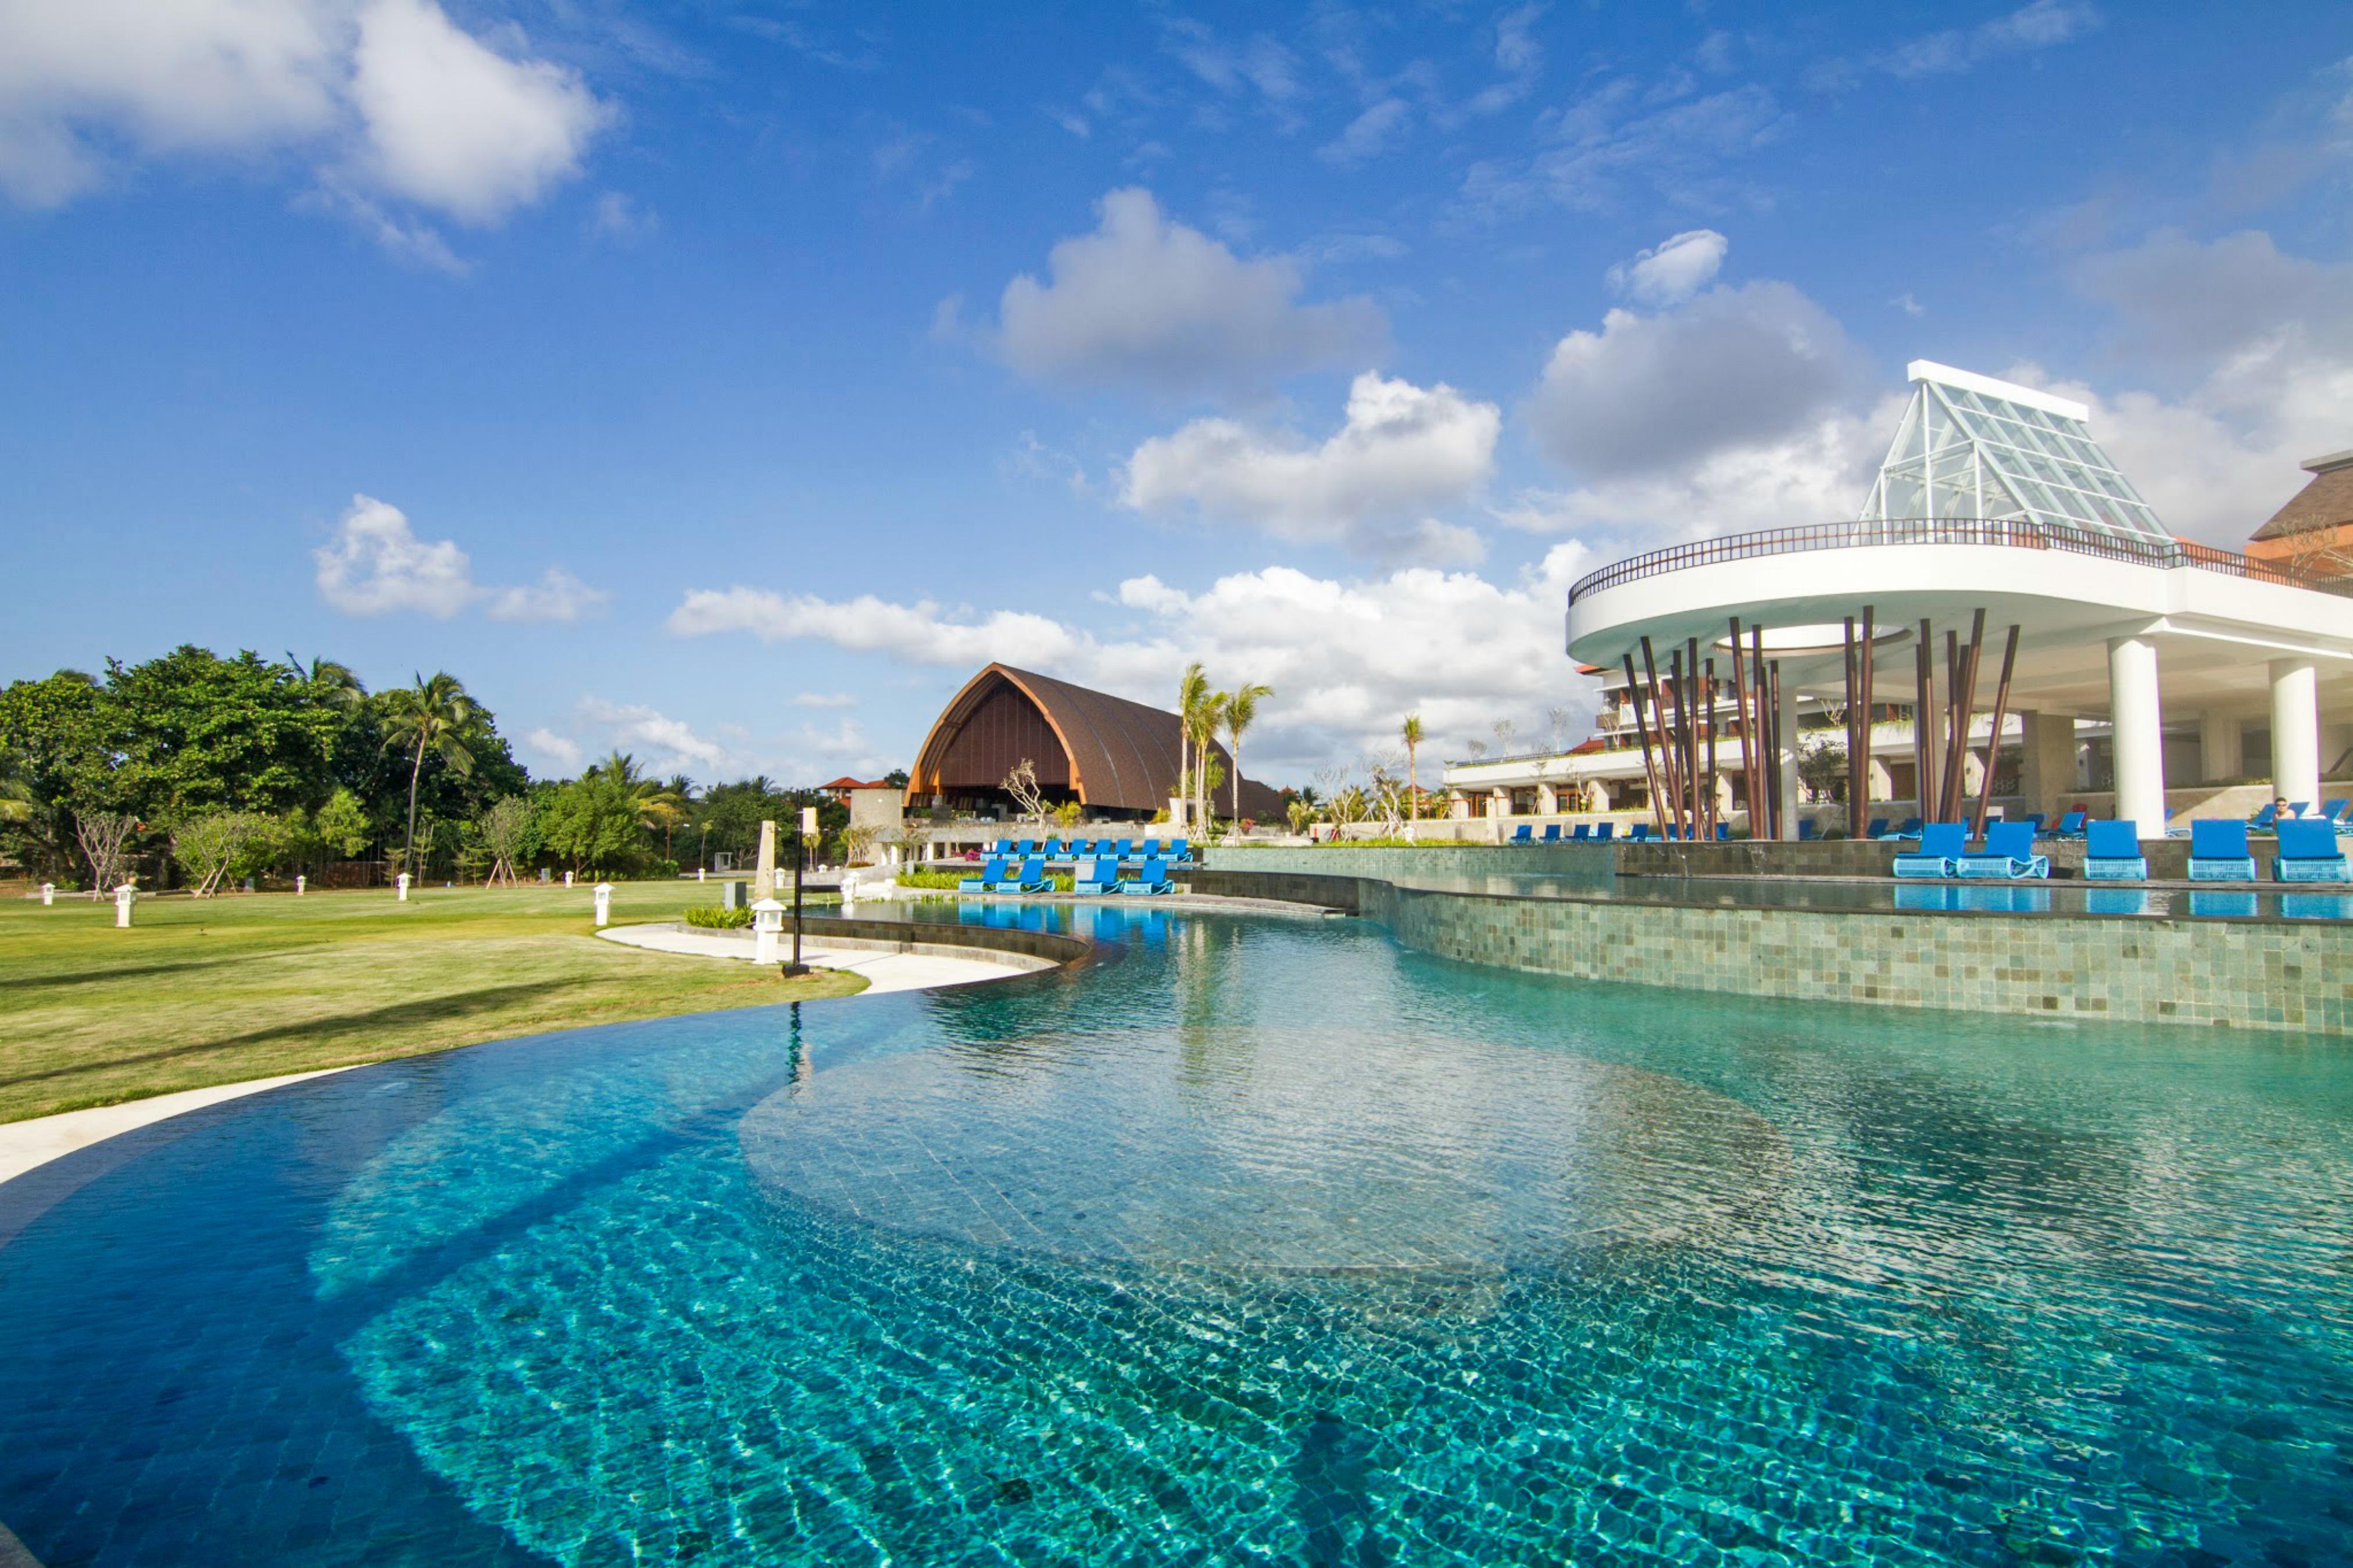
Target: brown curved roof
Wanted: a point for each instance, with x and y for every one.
(1120, 755)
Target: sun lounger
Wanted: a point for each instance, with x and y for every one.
(1098, 876)
(1878, 829)
(2218, 851)
(1911, 829)
(1180, 852)
(991, 873)
(1941, 844)
(1582, 834)
(1522, 834)
(2072, 824)
(1151, 850)
(2334, 810)
(2112, 853)
(2035, 820)
(1030, 878)
(1603, 832)
(1125, 849)
(1054, 850)
(2007, 853)
(1152, 878)
(2263, 820)
(2308, 853)
(1809, 831)
(1552, 833)
(1003, 847)
(2299, 809)
(1640, 833)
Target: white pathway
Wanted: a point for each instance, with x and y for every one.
(24, 1144)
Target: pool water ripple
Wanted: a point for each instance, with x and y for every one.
(1625, 1276)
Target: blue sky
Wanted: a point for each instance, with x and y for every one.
(728, 382)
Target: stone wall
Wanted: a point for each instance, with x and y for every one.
(1588, 863)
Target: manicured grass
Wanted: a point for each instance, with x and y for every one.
(210, 991)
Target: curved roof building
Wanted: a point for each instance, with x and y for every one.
(1110, 756)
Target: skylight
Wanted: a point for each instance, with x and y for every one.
(1971, 446)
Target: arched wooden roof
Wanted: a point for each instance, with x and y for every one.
(1120, 755)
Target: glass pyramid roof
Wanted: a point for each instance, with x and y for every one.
(1971, 446)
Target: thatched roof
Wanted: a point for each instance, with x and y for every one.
(2325, 502)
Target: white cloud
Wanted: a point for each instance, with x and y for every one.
(1621, 133)
(557, 748)
(922, 633)
(1908, 305)
(558, 597)
(620, 216)
(1347, 659)
(452, 125)
(2043, 25)
(1679, 267)
(386, 98)
(1403, 450)
(1369, 134)
(825, 699)
(1746, 366)
(376, 565)
(672, 743)
(1146, 302)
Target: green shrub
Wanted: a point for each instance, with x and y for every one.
(713, 917)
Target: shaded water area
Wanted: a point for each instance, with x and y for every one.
(1260, 1239)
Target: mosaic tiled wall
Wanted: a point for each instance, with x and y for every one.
(1569, 861)
(2292, 977)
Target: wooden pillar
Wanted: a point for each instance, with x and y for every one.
(1712, 774)
(1924, 744)
(1854, 745)
(1862, 772)
(1764, 740)
(1642, 728)
(1993, 740)
(1747, 727)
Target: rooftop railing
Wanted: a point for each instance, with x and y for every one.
(2016, 533)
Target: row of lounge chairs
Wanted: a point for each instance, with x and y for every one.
(1002, 874)
(1179, 852)
(2337, 814)
(2307, 852)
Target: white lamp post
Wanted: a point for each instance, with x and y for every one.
(604, 905)
(402, 885)
(568, 879)
(49, 894)
(767, 927)
(123, 898)
(301, 884)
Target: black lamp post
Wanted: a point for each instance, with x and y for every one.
(800, 866)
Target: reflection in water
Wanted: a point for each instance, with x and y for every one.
(1331, 1477)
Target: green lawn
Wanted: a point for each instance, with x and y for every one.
(248, 985)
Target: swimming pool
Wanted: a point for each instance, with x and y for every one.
(1259, 1239)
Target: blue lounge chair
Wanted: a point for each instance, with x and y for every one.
(1603, 832)
(1808, 830)
(1552, 833)
(991, 873)
(1941, 844)
(2034, 820)
(1723, 831)
(2299, 809)
(1054, 850)
(1151, 850)
(1582, 834)
(2116, 900)
(1030, 878)
(2112, 853)
(2334, 810)
(1004, 846)
(2007, 853)
(1025, 848)
(1878, 829)
(1097, 877)
(2218, 851)
(1911, 829)
(1675, 831)
(2263, 820)
(1125, 849)
(1180, 852)
(1152, 878)
(1640, 833)
(1522, 834)
(2072, 826)
(2308, 853)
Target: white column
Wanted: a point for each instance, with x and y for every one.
(49, 894)
(2219, 756)
(2136, 710)
(2295, 730)
(1788, 826)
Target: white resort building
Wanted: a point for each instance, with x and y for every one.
(2003, 577)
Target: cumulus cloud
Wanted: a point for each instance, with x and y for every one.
(1403, 450)
(1347, 659)
(1677, 268)
(389, 100)
(825, 699)
(1733, 367)
(672, 743)
(376, 566)
(920, 633)
(1146, 302)
(560, 749)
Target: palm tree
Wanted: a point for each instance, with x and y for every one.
(1192, 690)
(433, 715)
(338, 687)
(1241, 712)
(1207, 714)
(1411, 732)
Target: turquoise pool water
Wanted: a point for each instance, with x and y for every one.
(1260, 1240)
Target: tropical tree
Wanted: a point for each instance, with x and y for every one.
(1201, 724)
(1411, 733)
(505, 831)
(1192, 690)
(17, 799)
(1241, 712)
(434, 716)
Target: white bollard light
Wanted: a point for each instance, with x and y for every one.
(123, 896)
(767, 925)
(49, 894)
(700, 874)
(604, 905)
(568, 879)
(302, 885)
(402, 885)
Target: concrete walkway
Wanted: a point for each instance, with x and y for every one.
(26, 1145)
(883, 970)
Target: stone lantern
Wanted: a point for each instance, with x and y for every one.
(767, 927)
(124, 897)
(604, 905)
(401, 884)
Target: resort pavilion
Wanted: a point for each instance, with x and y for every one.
(1120, 760)
(2003, 579)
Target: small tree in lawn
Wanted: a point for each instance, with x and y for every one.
(218, 845)
(105, 840)
(1301, 811)
(506, 834)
